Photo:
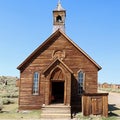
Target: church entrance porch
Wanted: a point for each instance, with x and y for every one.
(57, 95)
(57, 83)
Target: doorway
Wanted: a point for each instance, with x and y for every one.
(57, 92)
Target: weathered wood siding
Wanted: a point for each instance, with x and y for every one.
(72, 57)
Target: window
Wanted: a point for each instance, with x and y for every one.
(80, 82)
(36, 83)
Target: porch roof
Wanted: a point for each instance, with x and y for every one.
(57, 61)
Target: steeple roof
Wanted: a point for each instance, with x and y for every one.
(59, 7)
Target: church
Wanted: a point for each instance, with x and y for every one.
(60, 72)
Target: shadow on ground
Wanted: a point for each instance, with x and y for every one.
(112, 110)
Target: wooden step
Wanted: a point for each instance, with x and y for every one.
(56, 111)
(51, 116)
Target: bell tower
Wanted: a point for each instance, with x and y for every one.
(59, 15)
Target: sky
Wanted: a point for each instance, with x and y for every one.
(94, 25)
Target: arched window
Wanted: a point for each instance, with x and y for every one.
(36, 83)
(80, 82)
(59, 18)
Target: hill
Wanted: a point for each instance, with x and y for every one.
(4, 80)
(8, 89)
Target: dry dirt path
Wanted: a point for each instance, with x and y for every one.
(114, 103)
(114, 98)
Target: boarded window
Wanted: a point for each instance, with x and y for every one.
(36, 83)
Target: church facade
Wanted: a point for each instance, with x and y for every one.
(59, 71)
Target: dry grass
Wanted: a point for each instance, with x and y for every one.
(92, 117)
(110, 90)
(11, 112)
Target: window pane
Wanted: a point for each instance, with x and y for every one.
(80, 82)
(36, 83)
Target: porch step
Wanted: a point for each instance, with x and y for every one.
(56, 111)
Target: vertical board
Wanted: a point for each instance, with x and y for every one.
(96, 106)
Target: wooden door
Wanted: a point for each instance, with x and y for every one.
(96, 106)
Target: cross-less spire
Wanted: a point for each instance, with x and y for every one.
(59, 6)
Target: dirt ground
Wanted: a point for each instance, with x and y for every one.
(114, 98)
(114, 104)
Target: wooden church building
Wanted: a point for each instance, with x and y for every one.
(59, 71)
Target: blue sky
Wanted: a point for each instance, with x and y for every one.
(93, 24)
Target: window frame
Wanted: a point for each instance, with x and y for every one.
(36, 78)
(80, 91)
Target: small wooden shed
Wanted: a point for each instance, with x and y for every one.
(95, 104)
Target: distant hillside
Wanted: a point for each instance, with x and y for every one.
(8, 86)
(8, 80)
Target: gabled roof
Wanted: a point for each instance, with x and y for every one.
(57, 61)
(55, 34)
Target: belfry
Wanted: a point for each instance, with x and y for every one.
(59, 15)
